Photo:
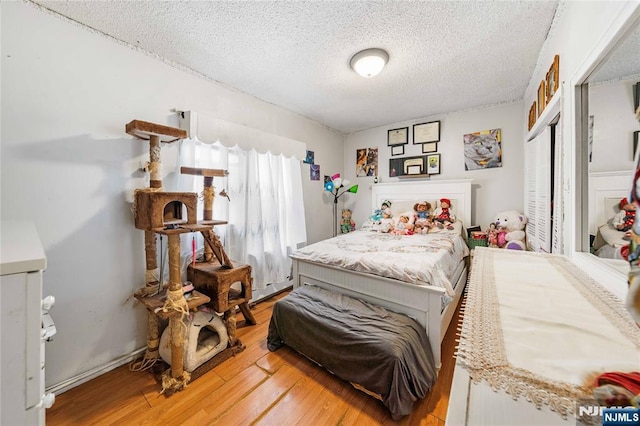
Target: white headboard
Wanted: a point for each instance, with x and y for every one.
(606, 189)
(405, 194)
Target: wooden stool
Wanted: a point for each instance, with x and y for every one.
(215, 281)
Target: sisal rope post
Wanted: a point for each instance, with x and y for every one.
(176, 302)
(230, 321)
(208, 193)
(151, 279)
(155, 166)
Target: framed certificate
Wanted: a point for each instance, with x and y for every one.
(397, 150)
(429, 147)
(398, 136)
(426, 132)
(414, 166)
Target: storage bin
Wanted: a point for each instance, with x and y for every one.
(478, 239)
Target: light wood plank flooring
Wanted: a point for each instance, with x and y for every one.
(256, 387)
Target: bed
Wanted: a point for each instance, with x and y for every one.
(378, 351)
(606, 191)
(422, 302)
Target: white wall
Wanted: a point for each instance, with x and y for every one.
(68, 166)
(611, 105)
(494, 190)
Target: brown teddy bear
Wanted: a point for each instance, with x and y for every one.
(346, 223)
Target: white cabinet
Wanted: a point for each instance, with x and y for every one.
(23, 332)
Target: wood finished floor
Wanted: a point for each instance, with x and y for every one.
(256, 387)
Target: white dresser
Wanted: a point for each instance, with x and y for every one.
(535, 328)
(25, 325)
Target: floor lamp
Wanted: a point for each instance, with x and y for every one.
(338, 187)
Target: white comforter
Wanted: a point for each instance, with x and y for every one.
(418, 259)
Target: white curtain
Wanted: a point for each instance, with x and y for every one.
(265, 212)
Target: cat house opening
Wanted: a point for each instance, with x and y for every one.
(206, 337)
(173, 213)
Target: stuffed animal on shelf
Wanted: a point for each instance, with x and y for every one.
(510, 225)
(443, 216)
(422, 217)
(346, 223)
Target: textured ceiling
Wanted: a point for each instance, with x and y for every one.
(623, 62)
(444, 55)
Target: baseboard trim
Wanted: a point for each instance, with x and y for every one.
(71, 383)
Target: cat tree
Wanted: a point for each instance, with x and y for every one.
(158, 212)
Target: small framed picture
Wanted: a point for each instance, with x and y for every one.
(533, 114)
(636, 96)
(553, 79)
(433, 164)
(413, 165)
(429, 147)
(397, 150)
(407, 166)
(309, 159)
(314, 172)
(542, 102)
(426, 132)
(398, 136)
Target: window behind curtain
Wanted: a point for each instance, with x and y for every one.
(265, 212)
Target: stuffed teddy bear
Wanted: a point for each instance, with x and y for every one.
(510, 225)
(346, 223)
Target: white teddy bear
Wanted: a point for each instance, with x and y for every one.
(510, 225)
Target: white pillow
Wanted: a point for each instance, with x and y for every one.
(612, 236)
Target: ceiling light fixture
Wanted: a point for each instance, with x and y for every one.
(369, 62)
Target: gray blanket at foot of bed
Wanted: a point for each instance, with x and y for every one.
(384, 352)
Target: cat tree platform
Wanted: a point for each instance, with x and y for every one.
(145, 130)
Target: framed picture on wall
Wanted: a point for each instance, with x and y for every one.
(429, 147)
(397, 150)
(433, 164)
(636, 135)
(408, 166)
(533, 114)
(366, 162)
(542, 102)
(553, 78)
(636, 96)
(426, 132)
(413, 166)
(398, 136)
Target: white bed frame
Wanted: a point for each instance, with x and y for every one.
(423, 303)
